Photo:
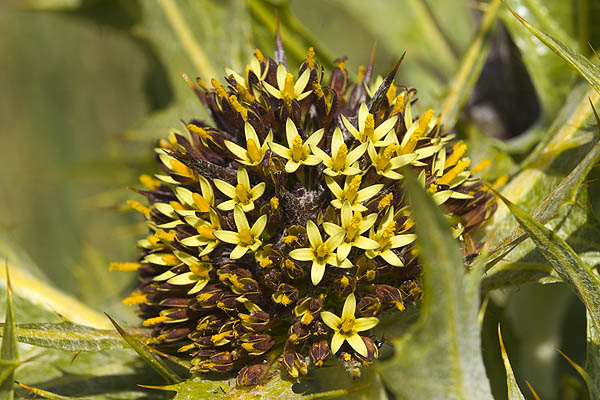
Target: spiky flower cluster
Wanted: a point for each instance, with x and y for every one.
(284, 226)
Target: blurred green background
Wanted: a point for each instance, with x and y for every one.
(86, 86)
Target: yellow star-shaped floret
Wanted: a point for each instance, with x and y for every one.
(341, 162)
(242, 194)
(298, 153)
(254, 152)
(246, 238)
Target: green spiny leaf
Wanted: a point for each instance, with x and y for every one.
(514, 393)
(70, 337)
(563, 259)
(464, 79)
(584, 375)
(580, 63)
(441, 356)
(49, 395)
(9, 350)
(146, 355)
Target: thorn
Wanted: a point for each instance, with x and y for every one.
(535, 395)
(381, 92)
(279, 50)
(594, 50)
(594, 109)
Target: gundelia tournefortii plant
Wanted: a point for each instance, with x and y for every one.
(318, 231)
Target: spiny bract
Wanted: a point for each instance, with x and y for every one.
(284, 225)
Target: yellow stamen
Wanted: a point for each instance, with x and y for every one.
(339, 162)
(200, 202)
(424, 121)
(125, 266)
(369, 127)
(385, 201)
(202, 84)
(290, 239)
(400, 306)
(206, 232)
(199, 131)
(154, 241)
(322, 251)
(139, 207)
(500, 181)
(352, 190)
(344, 282)
(274, 203)
(149, 182)
(288, 87)
(163, 144)
(253, 152)
(361, 73)
(297, 151)
(186, 348)
(238, 107)
(180, 168)
(387, 234)
(453, 173)
(247, 71)
(307, 318)
(245, 94)
(265, 262)
(310, 58)
(171, 259)
(414, 138)
(259, 55)
(347, 325)
(176, 205)
(135, 298)
(347, 357)
(342, 66)
(384, 160)
(241, 193)
(200, 270)
(167, 237)
(398, 105)
(353, 227)
(173, 140)
(155, 320)
(218, 88)
(289, 263)
(285, 300)
(483, 164)
(246, 238)
(458, 150)
(318, 90)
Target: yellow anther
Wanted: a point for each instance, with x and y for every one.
(176, 205)
(322, 251)
(458, 150)
(186, 348)
(180, 168)
(384, 161)
(149, 182)
(245, 94)
(285, 300)
(202, 84)
(361, 73)
(391, 93)
(344, 282)
(199, 131)
(387, 234)
(259, 55)
(371, 274)
(385, 201)
(288, 87)
(347, 357)
(400, 306)
(339, 161)
(453, 173)
(318, 90)
(166, 236)
(241, 193)
(125, 266)
(297, 150)
(354, 226)
(253, 152)
(135, 298)
(310, 58)
(200, 270)
(266, 262)
(218, 88)
(163, 144)
(307, 318)
(483, 164)
(274, 203)
(369, 127)
(154, 241)
(246, 238)
(247, 71)
(290, 239)
(206, 232)
(171, 259)
(342, 66)
(424, 121)
(238, 107)
(352, 190)
(139, 207)
(200, 202)
(500, 181)
(398, 105)
(155, 321)
(289, 263)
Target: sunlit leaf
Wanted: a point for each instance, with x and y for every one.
(432, 360)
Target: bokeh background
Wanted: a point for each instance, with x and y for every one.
(86, 86)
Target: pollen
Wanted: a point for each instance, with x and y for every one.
(274, 202)
(155, 321)
(170, 259)
(238, 107)
(253, 152)
(398, 105)
(135, 205)
(458, 150)
(135, 298)
(453, 173)
(149, 182)
(218, 88)
(167, 237)
(259, 55)
(369, 127)
(124, 266)
(483, 164)
(340, 158)
(290, 239)
(200, 202)
(385, 201)
(310, 58)
(288, 88)
(241, 193)
(297, 151)
(318, 90)
(180, 168)
(199, 131)
(266, 262)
